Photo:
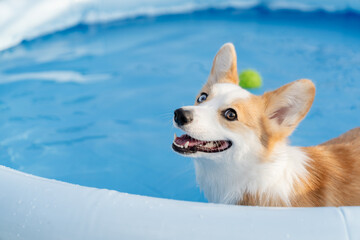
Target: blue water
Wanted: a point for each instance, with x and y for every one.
(93, 104)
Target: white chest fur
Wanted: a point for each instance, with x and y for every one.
(227, 180)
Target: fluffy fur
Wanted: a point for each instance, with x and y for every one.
(260, 168)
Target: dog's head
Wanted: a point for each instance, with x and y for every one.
(227, 119)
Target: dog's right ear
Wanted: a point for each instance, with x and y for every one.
(224, 69)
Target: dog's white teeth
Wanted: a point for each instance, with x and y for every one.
(187, 144)
(175, 136)
(210, 144)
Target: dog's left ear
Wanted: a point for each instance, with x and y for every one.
(224, 69)
(287, 106)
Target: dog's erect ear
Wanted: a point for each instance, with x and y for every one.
(224, 69)
(288, 105)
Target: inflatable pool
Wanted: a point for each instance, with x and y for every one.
(42, 209)
(87, 92)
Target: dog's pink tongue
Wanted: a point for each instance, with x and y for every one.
(186, 138)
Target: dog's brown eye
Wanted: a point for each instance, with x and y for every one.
(202, 97)
(230, 114)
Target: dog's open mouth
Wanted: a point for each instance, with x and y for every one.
(187, 145)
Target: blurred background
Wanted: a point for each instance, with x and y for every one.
(88, 87)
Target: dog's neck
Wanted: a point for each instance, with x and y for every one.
(269, 181)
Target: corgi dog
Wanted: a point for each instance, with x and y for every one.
(239, 144)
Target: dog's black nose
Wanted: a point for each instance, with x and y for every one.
(182, 117)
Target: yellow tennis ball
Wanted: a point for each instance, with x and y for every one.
(250, 79)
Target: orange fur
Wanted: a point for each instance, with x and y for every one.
(333, 170)
(333, 179)
(334, 173)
